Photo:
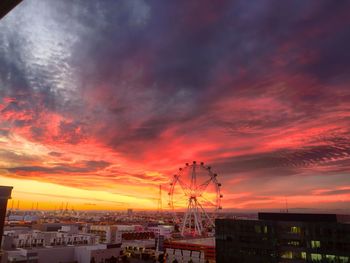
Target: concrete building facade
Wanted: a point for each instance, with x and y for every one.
(65, 254)
(13, 239)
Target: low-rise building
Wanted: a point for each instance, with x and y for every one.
(107, 233)
(34, 238)
(162, 230)
(199, 250)
(79, 254)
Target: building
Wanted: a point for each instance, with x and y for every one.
(129, 212)
(5, 194)
(199, 250)
(107, 233)
(78, 254)
(68, 235)
(115, 234)
(162, 230)
(284, 237)
(55, 226)
(7, 5)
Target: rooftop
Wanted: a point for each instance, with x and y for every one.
(301, 217)
(207, 241)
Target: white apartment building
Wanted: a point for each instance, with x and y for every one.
(70, 253)
(112, 234)
(106, 233)
(34, 238)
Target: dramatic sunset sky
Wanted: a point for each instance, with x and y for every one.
(102, 101)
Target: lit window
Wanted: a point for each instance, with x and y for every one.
(293, 243)
(295, 229)
(287, 254)
(316, 256)
(343, 259)
(257, 229)
(303, 255)
(265, 229)
(315, 244)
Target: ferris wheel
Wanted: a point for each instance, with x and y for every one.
(195, 187)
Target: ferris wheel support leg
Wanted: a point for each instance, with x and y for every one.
(185, 220)
(196, 219)
(206, 215)
(200, 219)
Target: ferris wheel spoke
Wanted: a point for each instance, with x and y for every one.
(208, 201)
(206, 215)
(184, 186)
(203, 186)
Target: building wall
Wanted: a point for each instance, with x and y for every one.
(162, 230)
(30, 239)
(55, 255)
(80, 254)
(5, 191)
(107, 233)
(278, 241)
(181, 249)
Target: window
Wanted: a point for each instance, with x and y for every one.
(303, 255)
(315, 257)
(257, 229)
(343, 259)
(315, 244)
(295, 230)
(265, 229)
(293, 243)
(330, 257)
(287, 254)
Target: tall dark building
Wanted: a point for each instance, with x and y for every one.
(7, 5)
(284, 237)
(5, 194)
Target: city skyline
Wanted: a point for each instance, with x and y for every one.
(101, 102)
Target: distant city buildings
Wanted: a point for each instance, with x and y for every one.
(130, 212)
(284, 237)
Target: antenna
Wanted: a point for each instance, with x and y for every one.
(286, 204)
(37, 205)
(18, 205)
